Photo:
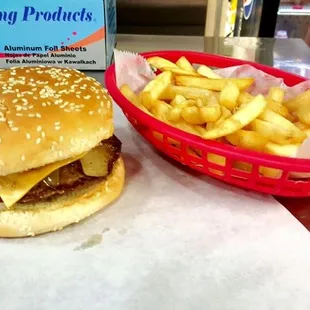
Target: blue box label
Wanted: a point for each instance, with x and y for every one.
(68, 33)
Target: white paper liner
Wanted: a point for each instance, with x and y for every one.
(134, 70)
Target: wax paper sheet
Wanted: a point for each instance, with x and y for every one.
(173, 240)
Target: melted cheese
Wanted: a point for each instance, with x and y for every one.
(15, 186)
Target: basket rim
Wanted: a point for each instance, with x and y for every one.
(208, 146)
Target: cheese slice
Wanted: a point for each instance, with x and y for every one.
(15, 186)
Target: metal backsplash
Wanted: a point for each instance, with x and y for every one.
(169, 17)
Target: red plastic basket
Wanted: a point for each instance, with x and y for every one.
(199, 154)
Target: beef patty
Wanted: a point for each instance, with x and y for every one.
(72, 176)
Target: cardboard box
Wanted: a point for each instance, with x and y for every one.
(73, 33)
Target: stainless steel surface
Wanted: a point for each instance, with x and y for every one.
(288, 9)
(291, 55)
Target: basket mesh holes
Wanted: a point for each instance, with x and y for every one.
(216, 159)
(270, 173)
(195, 157)
(166, 140)
(242, 166)
(219, 161)
(194, 152)
(299, 176)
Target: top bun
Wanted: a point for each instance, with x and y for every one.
(49, 114)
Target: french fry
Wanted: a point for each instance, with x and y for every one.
(293, 104)
(279, 108)
(200, 102)
(159, 63)
(225, 114)
(211, 112)
(192, 115)
(276, 94)
(244, 98)
(212, 84)
(175, 114)
(161, 110)
(307, 132)
(179, 101)
(288, 150)
(208, 72)
(229, 96)
(132, 97)
(275, 102)
(241, 118)
(301, 126)
(178, 71)
(155, 88)
(185, 65)
(270, 116)
(187, 92)
(303, 113)
(182, 125)
(274, 133)
(248, 140)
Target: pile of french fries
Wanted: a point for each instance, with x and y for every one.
(202, 103)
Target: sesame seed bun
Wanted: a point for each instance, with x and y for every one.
(30, 220)
(49, 114)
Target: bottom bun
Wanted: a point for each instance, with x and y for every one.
(34, 219)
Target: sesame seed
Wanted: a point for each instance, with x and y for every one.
(14, 128)
(39, 128)
(38, 115)
(91, 112)
(31, 115)
(38, 140)
(43, 134)
(28, 136)
(15, 100)
(19, 114)
(60, 153)
(87, 97)
(23, 157)
(61, 138)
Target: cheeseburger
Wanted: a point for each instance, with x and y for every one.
(59, 159)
